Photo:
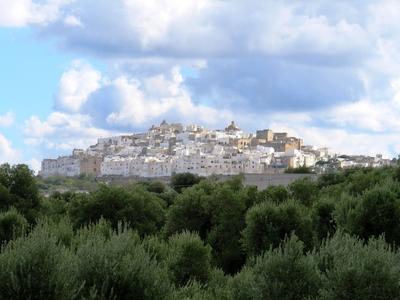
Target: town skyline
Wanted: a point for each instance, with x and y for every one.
(173, 148)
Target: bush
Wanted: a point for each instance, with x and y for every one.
(184, 180)
(267, 225)
(12, 225)
(119, 268)
(5, 198)
(354, 270)
(282, 273)
(323, 219)
(37, 267)
(191, 211)
(277, 194)
(138, 208)
(304, 190)
(378, 212)
(189, 259)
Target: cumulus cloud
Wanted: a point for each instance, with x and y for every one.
(19, 13)
(7, 119)
(62, 131)
(127, 102)
(76, 84)
(7, 153)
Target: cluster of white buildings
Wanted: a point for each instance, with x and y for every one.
(173, 148)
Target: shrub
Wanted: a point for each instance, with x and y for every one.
(354, 270)
(37, 267)
(184, 180)
(12, 225)
(138, 208)
(120, 268)
(378, 212)
(281, 273)
(304, 190)
(322, 217)
(267, 225)
(189, 259)
(277, 194)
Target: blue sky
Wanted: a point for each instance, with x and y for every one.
(72, 71)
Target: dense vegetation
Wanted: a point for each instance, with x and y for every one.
(333, 238)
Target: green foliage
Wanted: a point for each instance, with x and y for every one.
(216, 212)
(37, 267)
(12, 225)
(191, 211)
(361, 180)
(281, 273)
(18, 188)
(209, 239)
(5, 197)
(138, 208)
(184, 180)
(267, 225)
(322, 216)
(274, 193)
(354, 270)
(304, 190)
(119, 268)
(189, 259)
(329, 179)
(378, 212)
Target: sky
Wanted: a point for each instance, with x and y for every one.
(72, 71)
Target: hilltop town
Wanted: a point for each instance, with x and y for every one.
(174, 148)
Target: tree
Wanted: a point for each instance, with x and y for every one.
(284, 273)
(228, 209)
(138, 208)
(12, 225)
(304, 190)
(216, 212)
(189, 259)
(353, 269)
(18, 188)
(191, 211)
(184, 180)
(322, 217)
(267, 225)
(5, 197)
(275, 193)
(378, 212)
(118, 267)
(37, 267)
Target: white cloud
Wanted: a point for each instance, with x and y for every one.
(73, 21)
(62, 131)
(19, 13)
(76, 85)
(155, 97)
(7, 153)
(7, 119)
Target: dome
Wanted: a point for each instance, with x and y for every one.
(232, 127)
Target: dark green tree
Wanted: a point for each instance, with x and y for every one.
(378, 212)
(12, 225)
(353, 269)
(274, 193)
(138, 208)
(304, 190)
(284, 273)
(267, 225)
(322, 216)
(184, 180)
(189, 259)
